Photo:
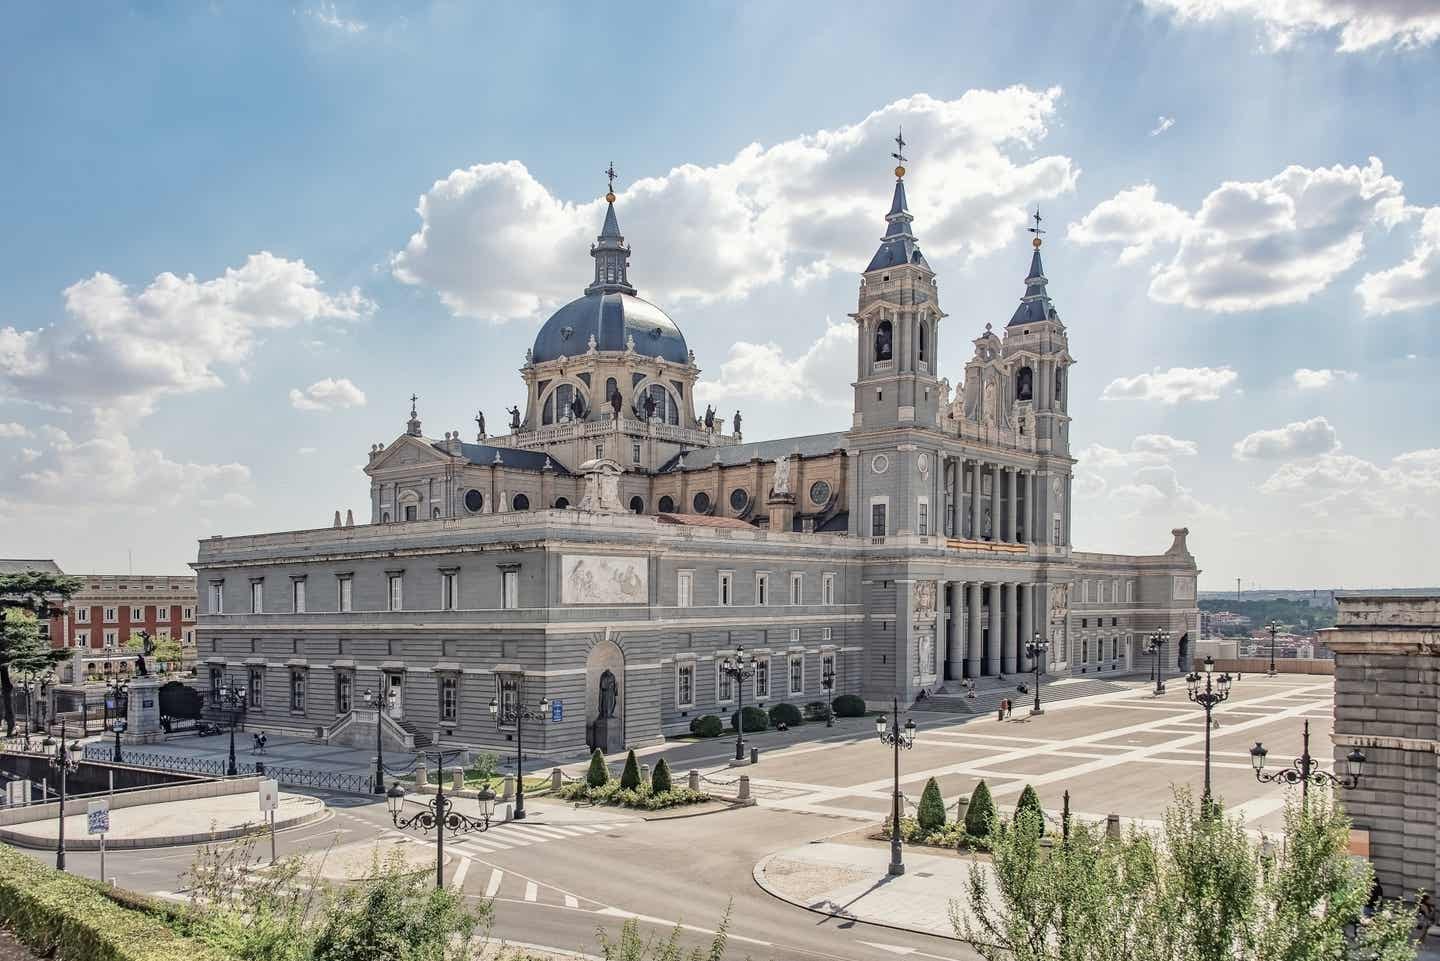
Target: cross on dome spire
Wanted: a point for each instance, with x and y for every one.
(611, 253)
(610, 175)
(412, 426)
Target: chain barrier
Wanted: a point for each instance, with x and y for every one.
(721, 782)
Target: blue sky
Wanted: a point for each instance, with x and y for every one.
(218, 290)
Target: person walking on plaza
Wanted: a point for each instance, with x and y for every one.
(1000, 712)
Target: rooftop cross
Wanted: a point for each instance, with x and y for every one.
(1036, 229)
(899, 153)
(610, 175)
(413, 399)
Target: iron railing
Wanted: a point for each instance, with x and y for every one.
(345, 782)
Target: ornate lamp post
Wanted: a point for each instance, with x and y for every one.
(118, 726)
(1305, 770)
(33, 681)
(1155, 647)
(827, 681)
(233, 696)
(739, 667)
(115, 689)
(372, 699)
(1208, 698)
(439, 813)
(1274, 629)
(1035, 649)
(518, 715)
(65, 760)
(896, 736)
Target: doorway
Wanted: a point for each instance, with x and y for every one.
(395, 695)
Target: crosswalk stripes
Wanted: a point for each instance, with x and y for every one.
(532, 891)
(461, 869)
(494, 883)
(503, 837)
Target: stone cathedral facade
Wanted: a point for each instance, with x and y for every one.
(609, 527)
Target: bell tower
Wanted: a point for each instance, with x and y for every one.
(898, 323)
(1037, 360)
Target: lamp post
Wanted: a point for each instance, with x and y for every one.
(32, 681)
(893, 734)
(739, 667)
(66, 759)
(518, 715)
(115, 689)
(1155, 646)
(1274, 629)
(232, 698)
(118, 726)
(372, 698)
(1035, 649)
(1212, 695)
(439, 812)
(827, 681)
(1306, 770)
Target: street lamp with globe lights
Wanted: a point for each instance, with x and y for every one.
(370, 699)
(895, 735)
(1305, 770)
(1212, 695)
(739, 667)
(1035, 649)
(827, 681)
(233, 697)
(1274, 628)
(517, 715)
(1155, 646)
(439, 812)
(65, 760)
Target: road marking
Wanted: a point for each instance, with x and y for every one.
(543, 834)
(461, 870)
(892, 948)
(571, 901)
(494, 884)
(531, 891)
(648, 919)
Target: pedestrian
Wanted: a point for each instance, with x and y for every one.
(1000, 715)
(1425, 916)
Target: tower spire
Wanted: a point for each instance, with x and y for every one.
(899, 245)
(611, 253)
(1035, 306)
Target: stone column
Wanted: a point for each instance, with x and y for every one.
(954, 636)
(1009, 631)
(995, 502)
(1012, 505)
(957, 498)
(973, 640)
(1027, 624)
(1031, 515)
(975, 500)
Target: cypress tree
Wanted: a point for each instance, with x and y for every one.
(982, 810)
(931, 815)
(1030, 802)
(599, 774)
(630, 777)
(660, 780)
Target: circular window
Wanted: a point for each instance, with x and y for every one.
(520, 503)
(739, 498)
(637, 506)
(667, 504)
(701, 503)
(880, 463)
(820, 493)
(474, 501)
(561, 503)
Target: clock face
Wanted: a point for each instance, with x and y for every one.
(820, 493)
(880, 464)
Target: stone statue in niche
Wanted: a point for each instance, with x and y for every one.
(1059, 601)
(577, 407)
(987, 407)
(924, 600)
(608, 691)
(780, 480)
(944, 394)
(615, 401)
(590, 345)
(629, 343)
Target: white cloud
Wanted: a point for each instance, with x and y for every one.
(1306, 438)
(328, 394)
(1352, 488)
(29, 455)
(497, 244)
(325, 12)
(1173, 386)
(760, 372)
(10, 430)
(1166, 445)
(1361, 24)
(1162, 124)
(120, 351)
(305, 451)
(1307, 379)
(1413, 283)
(1142, 482)
(1252, 244)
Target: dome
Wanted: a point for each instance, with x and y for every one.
(612, 318)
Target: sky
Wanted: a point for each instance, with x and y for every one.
(239, 235)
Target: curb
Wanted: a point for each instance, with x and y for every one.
(87, 843)
(727, 807)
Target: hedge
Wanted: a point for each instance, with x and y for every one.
(755, 720)
(660, 780)
(707, 725)
(849, 705)
(1030, 802)
(816, 710)
(71, 917)
(787, 714)
(931, 816)
(981, 812)
(630, 777)
(597, 775)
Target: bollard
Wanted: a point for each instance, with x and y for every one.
(1112, 826)
(644, 774)
(557, 780)
(457, 778)
(259, 768)
(744, 794)
(422, 776)
(694, 780)
(754, 755)
(508, 790)
(962, 807)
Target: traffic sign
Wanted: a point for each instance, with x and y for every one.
(269, 794)
(557, 710)
(98, 816)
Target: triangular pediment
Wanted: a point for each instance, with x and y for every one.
(407, 451)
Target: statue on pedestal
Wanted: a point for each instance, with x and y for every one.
(514, 417)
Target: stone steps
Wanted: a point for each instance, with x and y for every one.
(989, 695)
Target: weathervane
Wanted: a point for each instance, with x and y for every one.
(610, 175)
(1036, 229)
(899, 153)
(413, 399)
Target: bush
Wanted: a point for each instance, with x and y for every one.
(599, 774)
(630, 777)
(816, 711)
(484, 766)
(931, 815)
(981, 812)
(660, 780)
(707, 725)
(849, 705)
(1029, 803)
(787, 714)
(645, 799)
(755, 720)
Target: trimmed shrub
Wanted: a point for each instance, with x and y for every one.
(660, 780)
(787, 714)
(707, 725)
(981, 813)
(849, 705)
(755, 720)
(931, 815)
(1029, 803)
(630, 777)
(815, 711)
(599, 774)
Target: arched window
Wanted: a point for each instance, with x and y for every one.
(667, 504)
(665, 407)
(1024, 384)
(559, 405)
(520, 502)
(1059, 384)
(637, 505)
(385, 518)
(435, 512)
(884, 336)
(920, 340)
(561, 503)
(611, 389)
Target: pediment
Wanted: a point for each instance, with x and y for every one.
(407, 451)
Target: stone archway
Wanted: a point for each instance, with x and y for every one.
(608, 734)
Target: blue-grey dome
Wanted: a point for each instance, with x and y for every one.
(612, 318)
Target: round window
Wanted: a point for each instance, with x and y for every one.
(667, 504)
(701, 503)
(520, 503)
(474, 501)
(820, 493)
(739, 498)
(880, 463)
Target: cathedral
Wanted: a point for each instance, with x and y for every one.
(610, 547)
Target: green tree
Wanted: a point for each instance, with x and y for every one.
(1211, 867)
(598, 775)
(1030, 801)
(981, 811)
(630, 777)
(156, 650)
(931, 815)
(660, 780)
(42, 595)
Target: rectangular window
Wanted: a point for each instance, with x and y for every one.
(162, 612)
(825, 633)
(923, 522)
(762, 589)
(877, 520)
(110, 617)
(1059, 534)
(599, 451)
(1085, 651)
(1084, 622)
(797, 588)
(797, 675)
(137, 613)
(256, 700)
(1115, 590)
(1114, 622)
(1129, 592)
(510, 589)
(347, 592)
(395, 592)
(762, 678)
(189, 637)
(344, 692)
(449, 590)
(187, 614)
(110, 638)
(257, 597)
(685, 684)
(724, 685)
(297, 691)
(1114, 648)
(82, 615)
(412, 512)
(82, 638)
(449, 698)
(684, 589)
(635, 453)
(827, 589)
(509, 685)
(727, 587)
(297, 595)
(794, 635)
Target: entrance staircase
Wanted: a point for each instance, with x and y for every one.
(990, 691)
(422, 740)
